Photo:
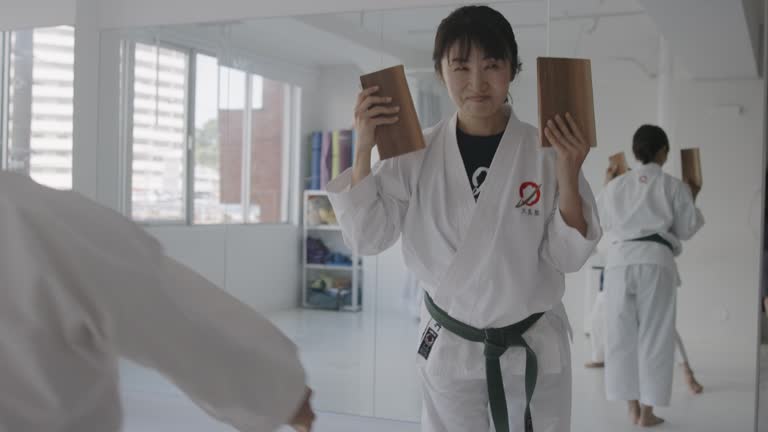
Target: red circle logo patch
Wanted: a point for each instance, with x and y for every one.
(530, 194)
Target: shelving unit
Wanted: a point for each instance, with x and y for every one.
(347, 298)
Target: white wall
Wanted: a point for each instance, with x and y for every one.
(17, 14)
(720, 265)
(258, 264)
(122, 13)
(338, 88)
(85, 149)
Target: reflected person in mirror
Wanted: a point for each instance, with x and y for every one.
(489, 221)
(646, 214)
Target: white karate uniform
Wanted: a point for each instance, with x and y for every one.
(489, 263)
(413, 295)
(81, 285)
(597, 335)
(641, 280)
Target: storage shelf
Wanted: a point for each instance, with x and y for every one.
(346, 308)
(332, 236)
(329, 267)
(323, 228)
(310, 192)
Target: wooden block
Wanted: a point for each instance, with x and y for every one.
(565, 86)
(619, 162)
(691, 160)
(404, 136)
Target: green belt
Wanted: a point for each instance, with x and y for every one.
(496, 341)
(655, 238)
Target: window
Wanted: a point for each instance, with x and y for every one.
(202, 176)
(36, 103)
(219, 128)
(159, 133)
(268, 134)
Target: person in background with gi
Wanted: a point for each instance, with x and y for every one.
(80, 286)
(490, 221)
(597, 337)
(646, 214)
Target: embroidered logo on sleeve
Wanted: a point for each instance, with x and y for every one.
(429, 338)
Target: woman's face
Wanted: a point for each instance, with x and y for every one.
(478, 85)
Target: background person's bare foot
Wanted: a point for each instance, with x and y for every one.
(693, 385)
(647, 418)
(594, 365)
(634, 411)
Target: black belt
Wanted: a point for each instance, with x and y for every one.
(496, 341)
(655, 238)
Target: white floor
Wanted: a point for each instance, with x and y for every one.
(150, 412)
(361, 369)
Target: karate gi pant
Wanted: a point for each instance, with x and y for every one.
(640, 333)
(597, 336)
(460, 404)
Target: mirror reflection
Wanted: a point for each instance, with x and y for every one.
(490, 281)
(359, 320)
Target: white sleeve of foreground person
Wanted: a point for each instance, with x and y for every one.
(80, 285)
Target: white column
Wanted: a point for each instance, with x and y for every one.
(665, 111)
(85, 156)
(112, 163)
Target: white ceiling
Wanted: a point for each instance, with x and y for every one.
(711, 38)
(603, 30)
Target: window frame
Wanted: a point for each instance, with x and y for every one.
(6, 148)
(5, 64)
(128, 83)
(290, 138)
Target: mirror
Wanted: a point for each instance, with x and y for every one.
(762, 372)
(214, 127)
(761, 417)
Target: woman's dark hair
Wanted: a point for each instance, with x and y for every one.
(647, 142)
(481, 25)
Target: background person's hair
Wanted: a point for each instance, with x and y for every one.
(647, 142)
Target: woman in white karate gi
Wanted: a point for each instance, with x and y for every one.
(646, 214)
(80, 286)
(597, 335)
(489, 222)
